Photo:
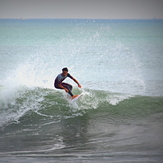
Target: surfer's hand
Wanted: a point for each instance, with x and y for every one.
(66, 90)
(79, 86)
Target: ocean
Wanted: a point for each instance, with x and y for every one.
(119, 64)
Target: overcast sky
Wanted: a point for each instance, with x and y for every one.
(87, 9)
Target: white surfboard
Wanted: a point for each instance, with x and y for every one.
(76, 98)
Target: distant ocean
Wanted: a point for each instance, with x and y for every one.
(119, 118)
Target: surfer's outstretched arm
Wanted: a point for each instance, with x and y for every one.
(76, 82)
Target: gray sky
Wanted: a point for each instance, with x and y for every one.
(88, 9)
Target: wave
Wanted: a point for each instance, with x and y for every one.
(43, 106)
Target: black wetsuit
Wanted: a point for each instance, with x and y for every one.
(59, 80)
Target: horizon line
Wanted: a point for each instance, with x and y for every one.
(80, 19)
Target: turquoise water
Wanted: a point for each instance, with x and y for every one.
(119, 63)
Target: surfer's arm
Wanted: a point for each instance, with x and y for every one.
(76, 82)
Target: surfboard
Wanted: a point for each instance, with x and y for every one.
(76, 98)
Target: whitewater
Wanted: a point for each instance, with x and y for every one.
(119, 64)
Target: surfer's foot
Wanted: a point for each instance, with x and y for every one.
(74, 96)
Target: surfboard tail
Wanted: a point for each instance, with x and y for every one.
(76, 97)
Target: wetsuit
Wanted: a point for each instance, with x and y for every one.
(59, 80)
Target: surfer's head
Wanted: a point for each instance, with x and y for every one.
(65, 71)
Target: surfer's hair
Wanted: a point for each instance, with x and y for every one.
(65, 69)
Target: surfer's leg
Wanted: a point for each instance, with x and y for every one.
(69, 87)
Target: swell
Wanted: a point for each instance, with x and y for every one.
(42, 106)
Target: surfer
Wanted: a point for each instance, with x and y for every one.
(67, 87)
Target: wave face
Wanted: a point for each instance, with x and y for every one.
(43, 104)
(48, 103)
(120, 115)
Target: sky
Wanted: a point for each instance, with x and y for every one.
(81, 9)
